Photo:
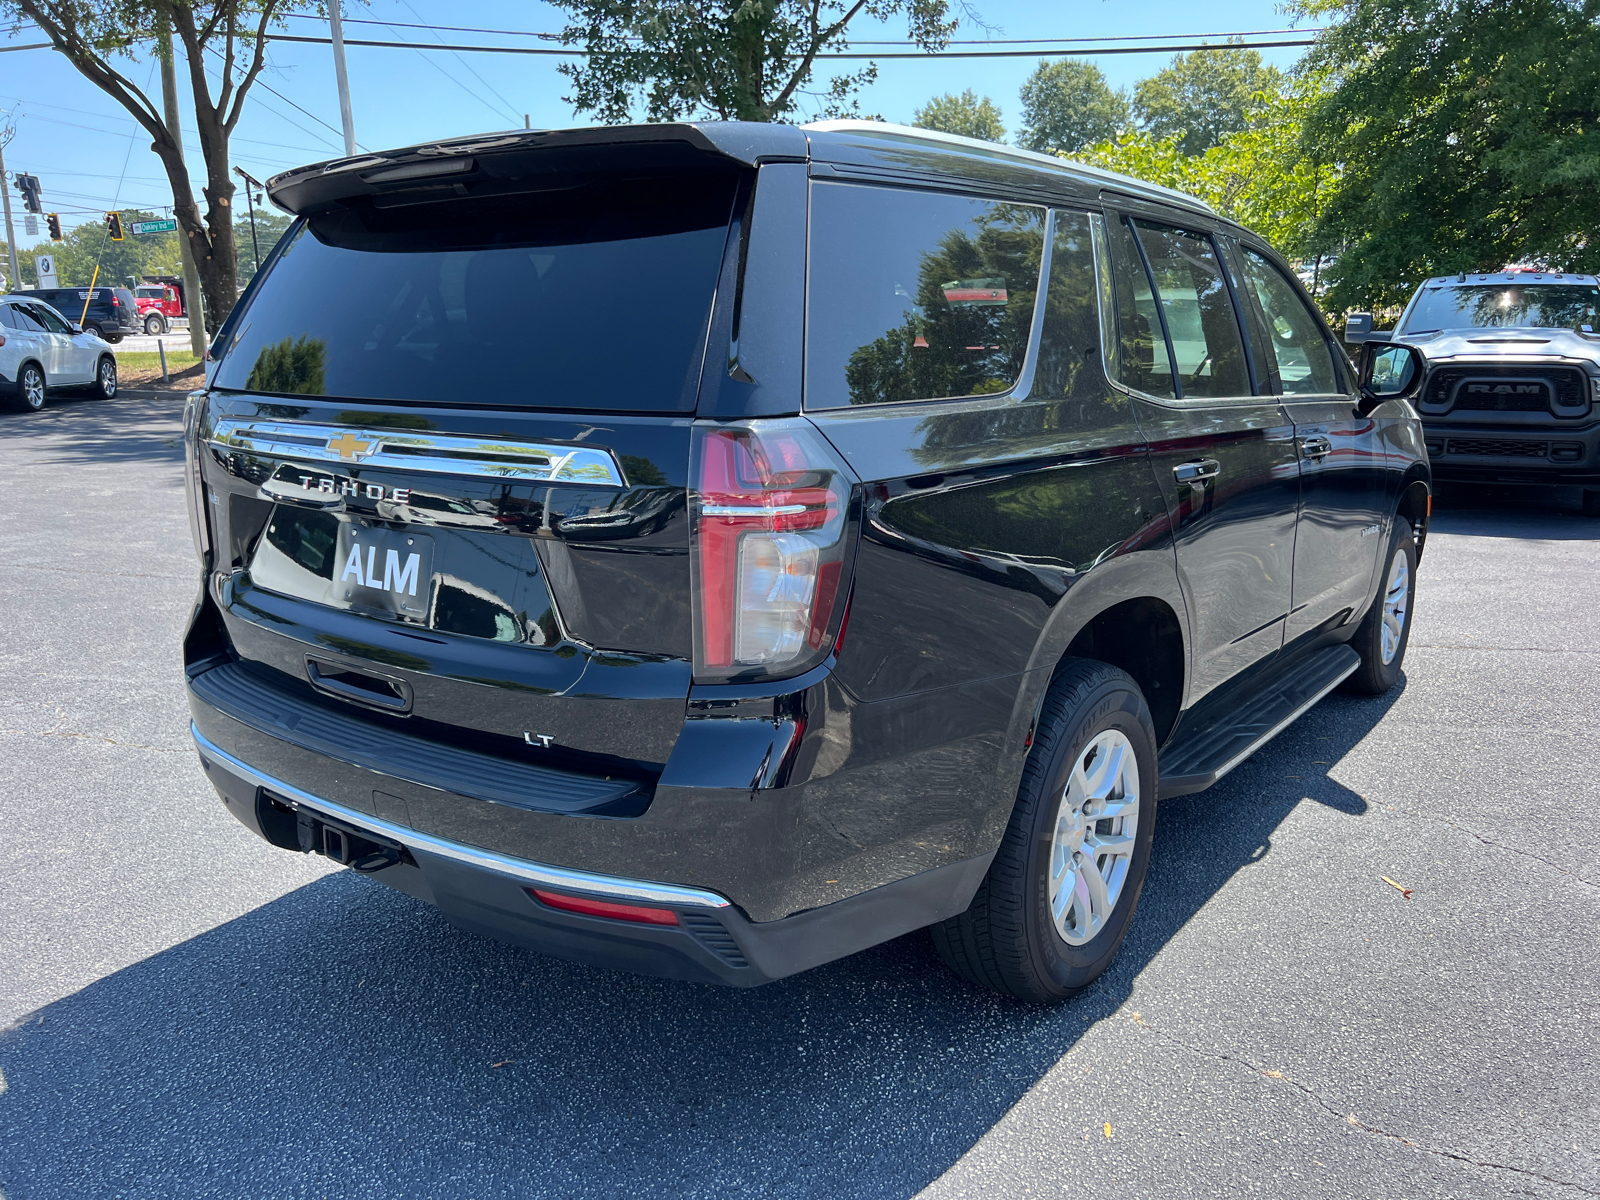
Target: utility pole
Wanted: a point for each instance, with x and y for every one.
(6, 135)
(343, 79)
(193, 305)
(249, 183)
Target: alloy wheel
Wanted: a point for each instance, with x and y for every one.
(108, 378)
(1091, 851)
(33, 388)
(1396, 604)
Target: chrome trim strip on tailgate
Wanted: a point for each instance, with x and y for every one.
(404, 450)
(670, 894)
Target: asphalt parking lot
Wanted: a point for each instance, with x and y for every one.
(189, 1012)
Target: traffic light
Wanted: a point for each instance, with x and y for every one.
(114, 224)
(28, 185)
(54, 223)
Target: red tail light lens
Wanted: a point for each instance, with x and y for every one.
(771, 506)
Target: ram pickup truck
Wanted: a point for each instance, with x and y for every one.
(1512, 391)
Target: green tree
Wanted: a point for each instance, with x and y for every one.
(966, 114)
(1068, 105)
(1266, 177)
(270, 226)
(1204, 96)
(1469, 132)
(745, 60)
(292, 366)
(223, 40)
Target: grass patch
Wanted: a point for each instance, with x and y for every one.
(149, 360)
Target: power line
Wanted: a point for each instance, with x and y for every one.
(556, 37)
(1083, 50)
(509, 107)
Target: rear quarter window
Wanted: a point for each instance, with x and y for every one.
(916, 295)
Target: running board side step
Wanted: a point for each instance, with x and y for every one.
(1203, 753)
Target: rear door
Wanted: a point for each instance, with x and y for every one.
(41, 324)
(1223, 454)
(1342, 475)
(73, 357)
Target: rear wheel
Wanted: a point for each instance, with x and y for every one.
(105, 378)
(1061, 892)
(155, 323)
(30, 388)
(1385, 631)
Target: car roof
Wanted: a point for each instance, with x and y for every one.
(499, 159)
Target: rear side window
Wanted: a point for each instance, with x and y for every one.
(1069, 340)
(1143, 363)
(590, 296)
(916, 295)
(1305, 364)
(1197, 307)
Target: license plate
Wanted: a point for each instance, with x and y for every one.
(383, 569)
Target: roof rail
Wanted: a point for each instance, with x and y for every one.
(1065, 166)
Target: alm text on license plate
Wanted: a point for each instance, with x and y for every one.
(385, 569)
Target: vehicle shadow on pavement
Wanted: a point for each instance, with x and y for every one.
(345, 1040)
(80, 429)
(1513, 512)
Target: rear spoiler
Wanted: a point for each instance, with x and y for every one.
(520, 159)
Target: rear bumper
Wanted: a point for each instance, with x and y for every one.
(690, 835)
(1480, 452)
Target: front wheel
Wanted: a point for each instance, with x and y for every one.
(155, 324)
(105, 378)
(1385, 631)
(1060, 895)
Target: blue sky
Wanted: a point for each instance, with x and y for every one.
(90, 155)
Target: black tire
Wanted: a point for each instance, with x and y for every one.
(30, 388)
(155, 324)
(113, 338)
(105, 378)
(1377, 674)
(1591, 502)
(1007, 939)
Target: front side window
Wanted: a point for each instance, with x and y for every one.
(916, 295)
(592, 296)
(1197, 308)
(51, 321)
(1305, 364)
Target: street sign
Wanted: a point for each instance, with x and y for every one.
(44, 266)
(153, 226)
(30, 225)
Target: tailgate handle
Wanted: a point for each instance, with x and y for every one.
(359, 687)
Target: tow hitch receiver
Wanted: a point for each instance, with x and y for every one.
(355, 848)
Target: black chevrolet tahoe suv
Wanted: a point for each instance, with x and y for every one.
(714, 549)
(110, 312)
(1512, 394)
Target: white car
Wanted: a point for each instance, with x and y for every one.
(41, 350)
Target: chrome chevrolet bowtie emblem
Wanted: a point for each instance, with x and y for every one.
(349, 447)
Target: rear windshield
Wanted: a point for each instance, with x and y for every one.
(1539, 305)
(593, 296)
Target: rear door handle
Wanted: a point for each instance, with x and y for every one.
(1315, 447)
(1196, 473)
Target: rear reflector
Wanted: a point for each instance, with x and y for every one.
(605, 908)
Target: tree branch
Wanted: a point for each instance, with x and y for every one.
(814, 44)
(256, 64)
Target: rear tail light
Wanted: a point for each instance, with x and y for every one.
(773, 534)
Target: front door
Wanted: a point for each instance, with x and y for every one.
(1223, 453)
(1342, 477)
(49, 345)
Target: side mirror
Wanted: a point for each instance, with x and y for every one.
(1358, 330)
(1393, 373)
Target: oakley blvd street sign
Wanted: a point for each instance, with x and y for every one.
(139, 227)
